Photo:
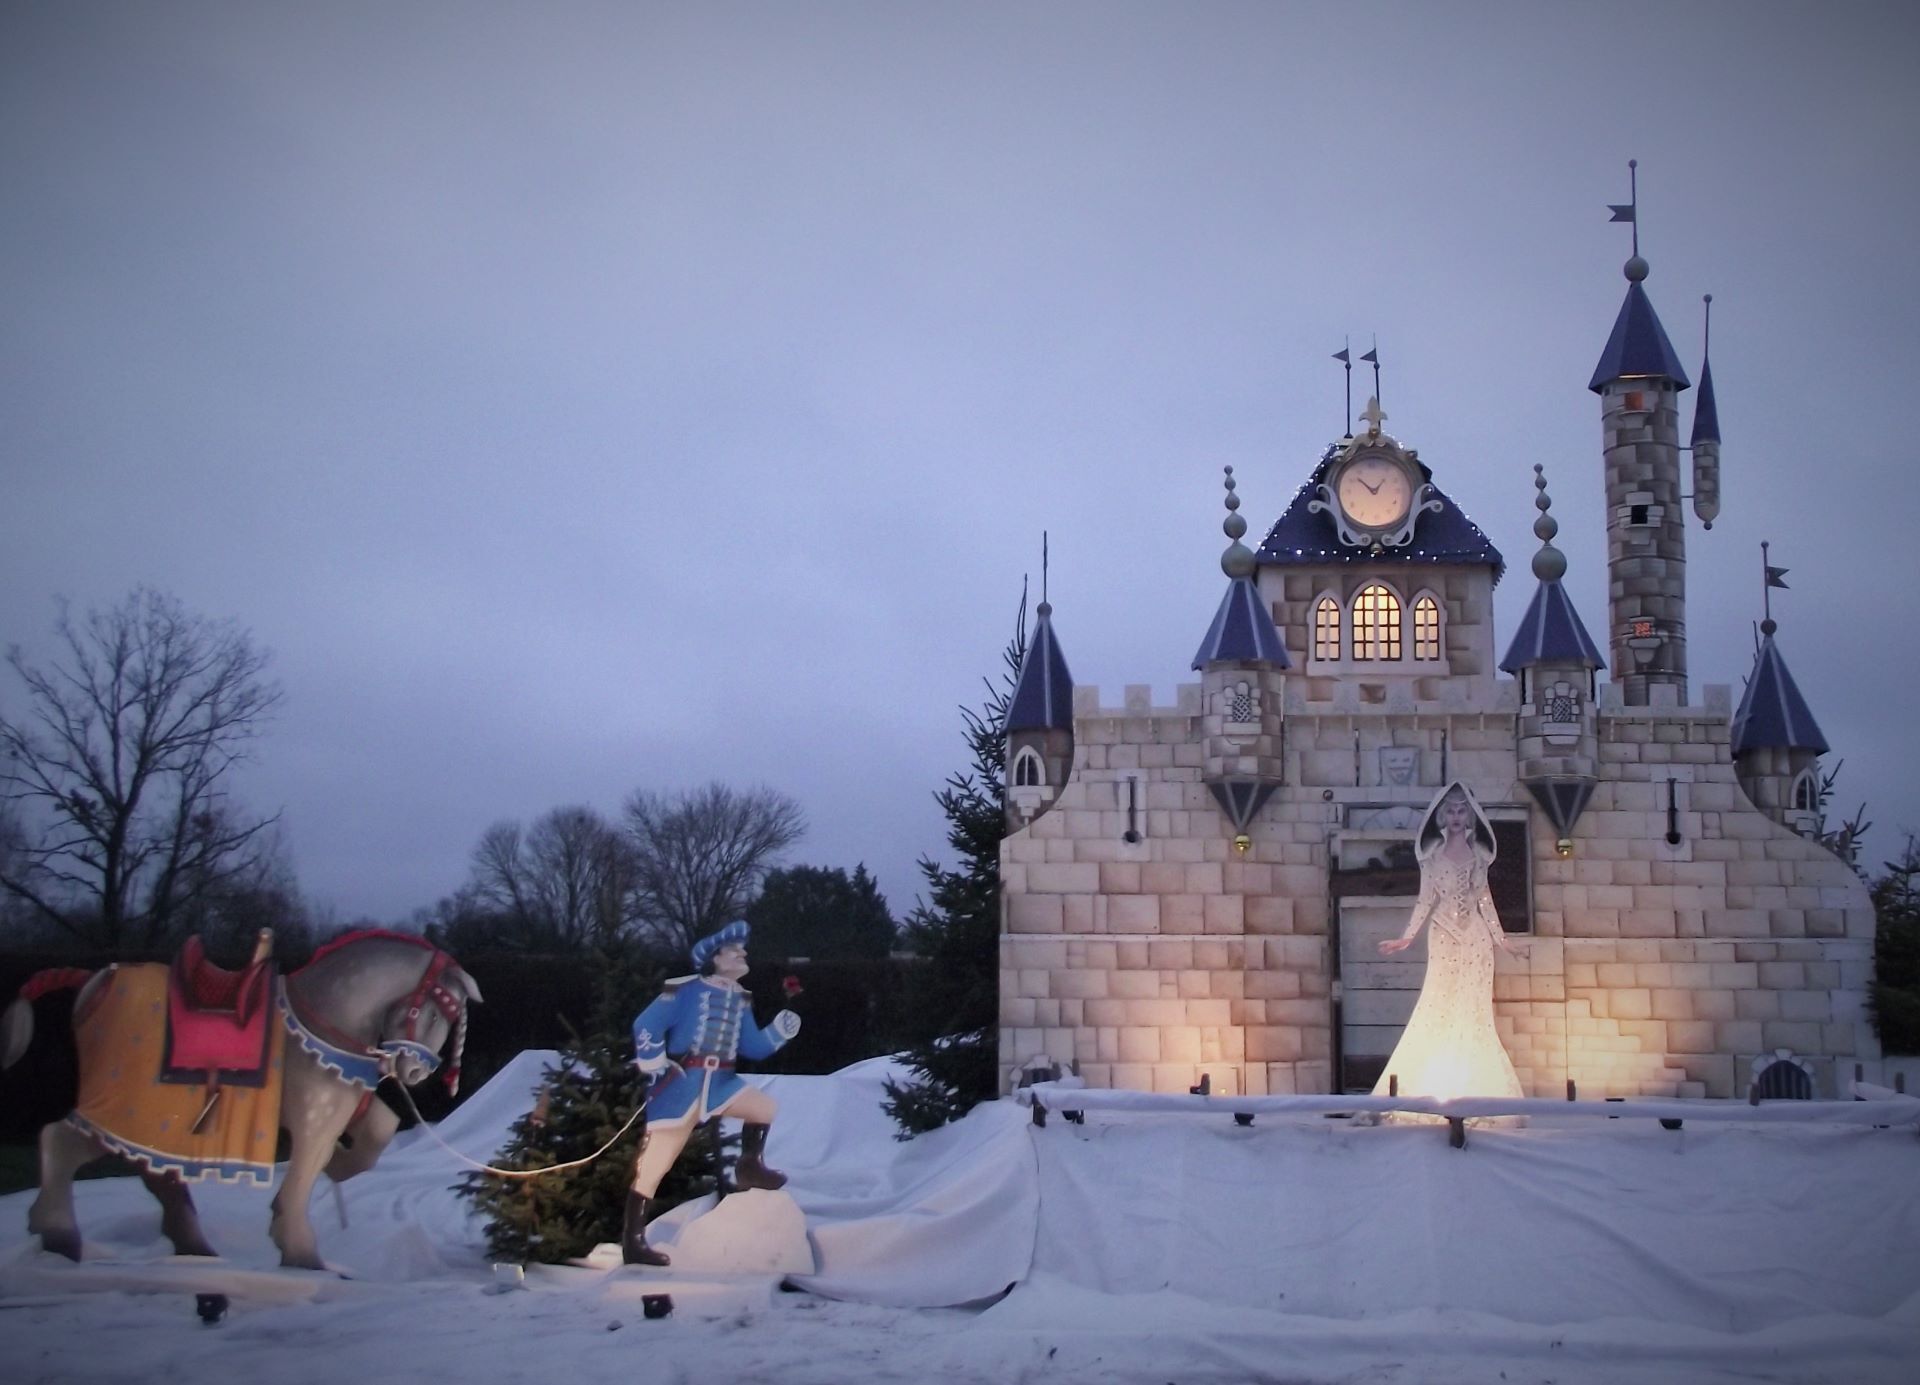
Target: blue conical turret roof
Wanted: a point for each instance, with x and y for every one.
(1706, 416)
(1043, 696)
(1242, 631)
(1551, 632)
(1638, 348)
(1772, 712)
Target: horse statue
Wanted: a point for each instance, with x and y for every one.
(240, 1057)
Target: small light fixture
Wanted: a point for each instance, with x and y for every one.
(1564, 846)
(1242, 843)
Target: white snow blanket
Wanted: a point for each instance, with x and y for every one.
(1146, 1248)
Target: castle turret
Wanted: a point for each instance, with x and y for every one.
(1638, 380)
(1705, 443)
(1039, 725)
(1242, 663)
(1776, 742)
(1556, 661)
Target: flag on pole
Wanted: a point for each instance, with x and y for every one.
(1372, 357)
(1342, 356)
(1620, 213)
(1777, 577)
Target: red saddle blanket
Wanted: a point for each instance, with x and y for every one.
(218, 1021)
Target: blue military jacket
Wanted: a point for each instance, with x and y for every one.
(701, 1017)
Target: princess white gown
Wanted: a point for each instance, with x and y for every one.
(1450, 1047)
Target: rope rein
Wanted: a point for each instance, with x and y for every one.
(434, 1135)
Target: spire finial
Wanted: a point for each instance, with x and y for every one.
(1549, 564)
(1045, 607)
(1237, 561)
(1373, 415)
(1771, 577)
(1706, 332)
(1635, 268)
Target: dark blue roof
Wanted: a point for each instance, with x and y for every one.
(1301, 536)
(1638, 346)
(1706, 417)
(1044, 695)
(1242, 631)
(1551, 632)
(1772, 713)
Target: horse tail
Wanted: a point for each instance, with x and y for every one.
(16, 1025)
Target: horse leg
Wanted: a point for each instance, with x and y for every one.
(64, 1151)
(315, 1109)
(179, 1219)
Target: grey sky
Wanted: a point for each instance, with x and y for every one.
(582, 397)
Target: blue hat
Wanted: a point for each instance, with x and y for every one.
(733, 935)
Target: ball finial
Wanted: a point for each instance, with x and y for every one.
(1549, 564)
(1635, 269)
(1237, 561)
(1768, 626)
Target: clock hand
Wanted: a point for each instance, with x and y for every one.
(1373, 489)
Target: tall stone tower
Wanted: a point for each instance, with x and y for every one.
(1639, 379)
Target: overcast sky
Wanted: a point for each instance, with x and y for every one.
(578, 398)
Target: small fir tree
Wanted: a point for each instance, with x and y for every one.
(585, 1098)
(1896, 953)
(954, 997)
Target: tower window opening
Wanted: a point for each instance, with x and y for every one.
(1426, 628)
(1637, 515)
(1803, 794)
(1028, 772)
(1376, 624)
(1326, 629)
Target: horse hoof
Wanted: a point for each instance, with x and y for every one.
(65, 1243)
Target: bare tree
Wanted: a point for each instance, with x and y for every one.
(699, 855)
(118, 769)
(563, 884)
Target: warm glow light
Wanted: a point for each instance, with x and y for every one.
(1564, 846)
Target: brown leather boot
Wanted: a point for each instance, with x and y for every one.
(634, 1249)
(751, 1171)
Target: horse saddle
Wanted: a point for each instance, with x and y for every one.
(218, 1021)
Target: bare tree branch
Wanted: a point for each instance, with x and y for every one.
(116, 767)
(699, 856)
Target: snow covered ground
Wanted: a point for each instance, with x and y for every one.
(1140, 1247)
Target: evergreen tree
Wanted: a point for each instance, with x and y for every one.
(821, 914)
(1896, 953)
(954, 998)
(586, 1097)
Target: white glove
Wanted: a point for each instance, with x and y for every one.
(786, 1024)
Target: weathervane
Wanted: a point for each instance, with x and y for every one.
(1373, 358)
(1344, 356)
(1773, 577)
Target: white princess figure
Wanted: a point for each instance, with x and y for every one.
(1450, 1047)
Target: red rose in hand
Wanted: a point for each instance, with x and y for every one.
(791, 987)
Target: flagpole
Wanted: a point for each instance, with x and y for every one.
(1374, 356)
(1345, 356)
(1766, 586)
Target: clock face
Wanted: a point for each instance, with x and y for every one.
(1374, 492)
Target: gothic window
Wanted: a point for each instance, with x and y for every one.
(1426, 628)
(1376, 624)
(1028, 772)
(1804, 798)
(1326, 629)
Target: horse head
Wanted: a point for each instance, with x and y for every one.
(376, 1003)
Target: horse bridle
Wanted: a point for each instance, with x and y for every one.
(364, 1064)
(452, 1007)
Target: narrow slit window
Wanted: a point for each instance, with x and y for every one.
(1326, 629)
(1426, 628)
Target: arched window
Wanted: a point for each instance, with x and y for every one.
(1028, 772)
(1326, 629)
(1376, 624)
(1805, 800)
(1426, 628)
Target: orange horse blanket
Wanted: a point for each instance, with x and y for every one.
(125, 1104)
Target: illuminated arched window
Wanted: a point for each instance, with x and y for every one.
(1028, 772)
(1426, 628)
(1326, 629)
(1376, 624)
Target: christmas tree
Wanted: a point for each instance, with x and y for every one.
(954, 1000)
